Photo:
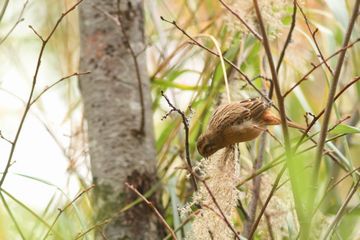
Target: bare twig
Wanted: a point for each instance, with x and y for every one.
(275, 80)
(66, 207)
(181, 226)
(273, 189)
(256, 186)
(317, 117)
(6, 139)
(197, 43)
(95, 226)
(166, 225)
(36, 33)
(55, 83)
(331, 97)
(268, 221)
(339, 122)
(313, 35)
(221, 212)
(2, 12)
(287, 41)
(137, 71)
(305, 77)
(118, 21)
(340, 212)
(330, 188)
(28, 104)
(257, 35)
(19, 20)
(186, 127)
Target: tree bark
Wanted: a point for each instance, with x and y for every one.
(120, 150)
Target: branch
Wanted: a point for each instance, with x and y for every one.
(273, 189)
(331, 97)
(275, 80)
(241, 20)
(197, 43)
(186, 127)
(28, 103)
(95, 226)
(287, 42)
(66, 207)
(256, 186)
(313, 35)
(134, 56)
(166, 225)
(339, 122)
(329, 189)
(317, 117)
(305, 77)
(340, 212)
(2, 12)
(56, 83)
(19, 20)
(6, 139)
(221, 212)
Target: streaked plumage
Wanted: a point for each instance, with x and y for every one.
(236, 122)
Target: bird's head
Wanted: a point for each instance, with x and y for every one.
(206, 145)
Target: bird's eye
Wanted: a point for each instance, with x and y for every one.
(208, 148)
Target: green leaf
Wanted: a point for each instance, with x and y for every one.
(345, 129)
(169, 84)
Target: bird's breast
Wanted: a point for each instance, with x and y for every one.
(241, 133)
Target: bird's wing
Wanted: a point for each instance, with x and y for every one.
(236, 113)
(257, 107)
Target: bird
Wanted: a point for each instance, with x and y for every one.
(236, 122)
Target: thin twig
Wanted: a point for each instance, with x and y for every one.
(317, 117)
(331, 97)
(66, 207)
(28, 103)
(330, 188)
(137, 71)
(275, 80)
(6, 139)
(186, 127)
(305, 77)
(257, 35)
(181, 226)
(19, 20)
(220, 210)
(338, 122)
(2, 12)
(273, 189)
(287, 41)
(256, 186)
(36, 33)
(95, 226)
(340, 212)
(118, 21)
(162, 220)
(55, 83)
(197, 43)
(268, 221)
(313, 35)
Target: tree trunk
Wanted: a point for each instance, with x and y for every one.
(121, 150)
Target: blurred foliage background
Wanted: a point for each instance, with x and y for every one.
(52, 166)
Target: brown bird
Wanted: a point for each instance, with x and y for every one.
(237, 122)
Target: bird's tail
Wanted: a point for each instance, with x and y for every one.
(271, 119)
